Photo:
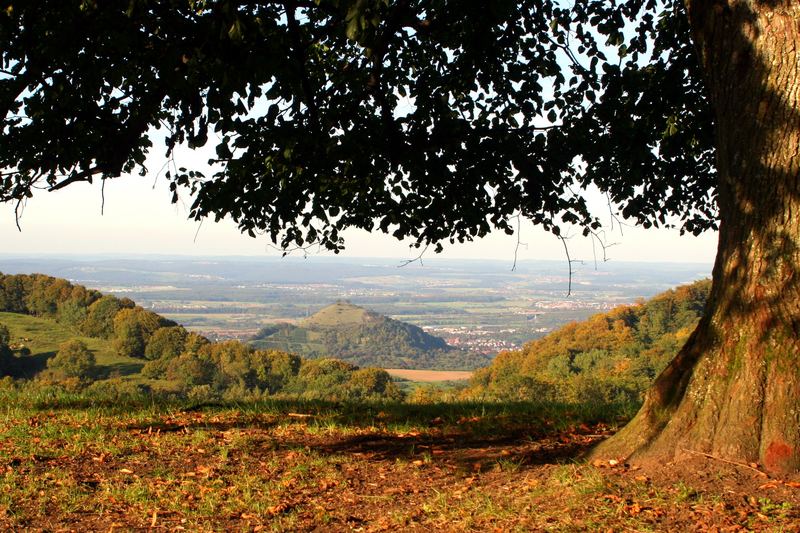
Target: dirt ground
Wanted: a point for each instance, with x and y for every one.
(221, 471)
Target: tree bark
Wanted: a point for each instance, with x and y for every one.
(734, 390)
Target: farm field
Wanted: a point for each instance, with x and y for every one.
(73, 462)
(429, 376)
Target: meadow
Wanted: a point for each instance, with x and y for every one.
(429, 376)
(43, 338)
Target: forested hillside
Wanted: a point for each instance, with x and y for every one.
(362, 337)
(612, 356)
(55, 331)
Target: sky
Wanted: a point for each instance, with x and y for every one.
(139, 219)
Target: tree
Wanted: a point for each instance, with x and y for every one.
(73, 360)
(6, 356)
(323, 379)
(133, 328)
(231, 359)
(100, 317)
(12, 294)
(438, 121)
(189, 370)
(166, 343)
(45, 293)
(372, 384)
(275, 369)
(5, 335)
(734, 388)
(71, 313)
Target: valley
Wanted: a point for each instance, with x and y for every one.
(480, 306)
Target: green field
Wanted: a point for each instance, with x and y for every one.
(43, 337)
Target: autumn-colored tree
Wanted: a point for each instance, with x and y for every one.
(372, 384)
(43, 294)
(610, 357)
(194, 341)
(100, 317)
(190, 370)
(166, 343)
(232, 361)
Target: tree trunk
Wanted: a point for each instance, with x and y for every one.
(734, 390)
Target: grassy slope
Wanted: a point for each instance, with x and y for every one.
(337, 315)
(46, 335)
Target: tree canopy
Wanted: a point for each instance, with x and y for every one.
(438, 120)
(429, 119)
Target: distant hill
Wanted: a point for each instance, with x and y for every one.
(365, 338)
(611, 357)
(340, 314)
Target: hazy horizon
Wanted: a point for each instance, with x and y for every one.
(138, 219)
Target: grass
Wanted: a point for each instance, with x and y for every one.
(337, 314)
(46, 335)
(87, 462)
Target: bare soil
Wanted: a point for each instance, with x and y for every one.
(429, 375)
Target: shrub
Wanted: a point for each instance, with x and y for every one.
(73, 360)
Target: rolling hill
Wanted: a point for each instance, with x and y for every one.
(611, 357)
(43, 336)
(54, 333)
(365, 338)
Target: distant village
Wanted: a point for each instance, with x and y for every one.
(475, 338)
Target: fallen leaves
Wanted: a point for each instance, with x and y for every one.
(775, 483)
(231, 471)
(280, 508)
(607, 463)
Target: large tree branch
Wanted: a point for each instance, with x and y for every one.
(85, 175)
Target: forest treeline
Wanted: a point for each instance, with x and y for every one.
(170, 353)
(611, 357)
